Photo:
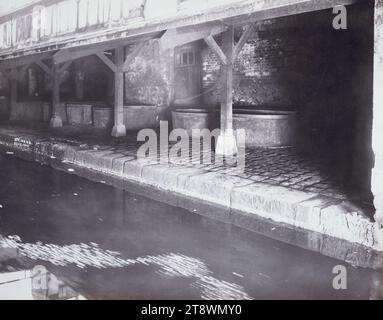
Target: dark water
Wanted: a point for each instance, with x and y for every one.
(63, 237)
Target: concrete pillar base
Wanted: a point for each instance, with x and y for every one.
(119, 130)
(226, 145)
(56, 122)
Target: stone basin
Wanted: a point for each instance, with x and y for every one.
(267, 128)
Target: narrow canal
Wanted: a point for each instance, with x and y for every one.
(62, 236)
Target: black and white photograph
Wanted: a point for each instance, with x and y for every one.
(194, 156)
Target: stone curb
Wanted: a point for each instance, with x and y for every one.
(309, 211)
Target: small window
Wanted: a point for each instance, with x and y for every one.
(187, 58)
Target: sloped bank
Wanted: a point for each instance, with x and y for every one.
(241, 200)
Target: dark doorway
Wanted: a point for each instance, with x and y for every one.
(188, 75)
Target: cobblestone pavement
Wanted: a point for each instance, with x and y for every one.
(286, 167)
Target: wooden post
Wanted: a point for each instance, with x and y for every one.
(79, 80)
(13, 78)
(119, 129)
(56, 120)
(226, 144)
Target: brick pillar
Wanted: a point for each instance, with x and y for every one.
(377, 131)
(119, 129)
(226, 144)
(56, 120)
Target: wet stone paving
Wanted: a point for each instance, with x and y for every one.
(286, 167)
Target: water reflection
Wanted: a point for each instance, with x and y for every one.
(97, 242)
(46, 286)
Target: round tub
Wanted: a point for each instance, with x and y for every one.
(266, 128)
(190, 119)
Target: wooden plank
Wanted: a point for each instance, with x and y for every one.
(216, 49)
(137, 50)
(107, 61)
(245, 36)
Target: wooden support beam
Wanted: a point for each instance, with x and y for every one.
(45, 68)
(227, 87)
(22, 61)
(119, 129)
(74, 53)
(216, 49)
(137, 50)
(79, 79)
(107, 61)
(71, 54)
(23, 70)
(180, 36)
(56, 120)
(65, 66)
(226, 143)
(245, 36)
(62, 69)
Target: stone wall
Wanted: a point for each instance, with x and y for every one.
(35, 111)
(148, 79)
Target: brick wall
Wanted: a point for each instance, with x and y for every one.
(301, 63)
(284, 62)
